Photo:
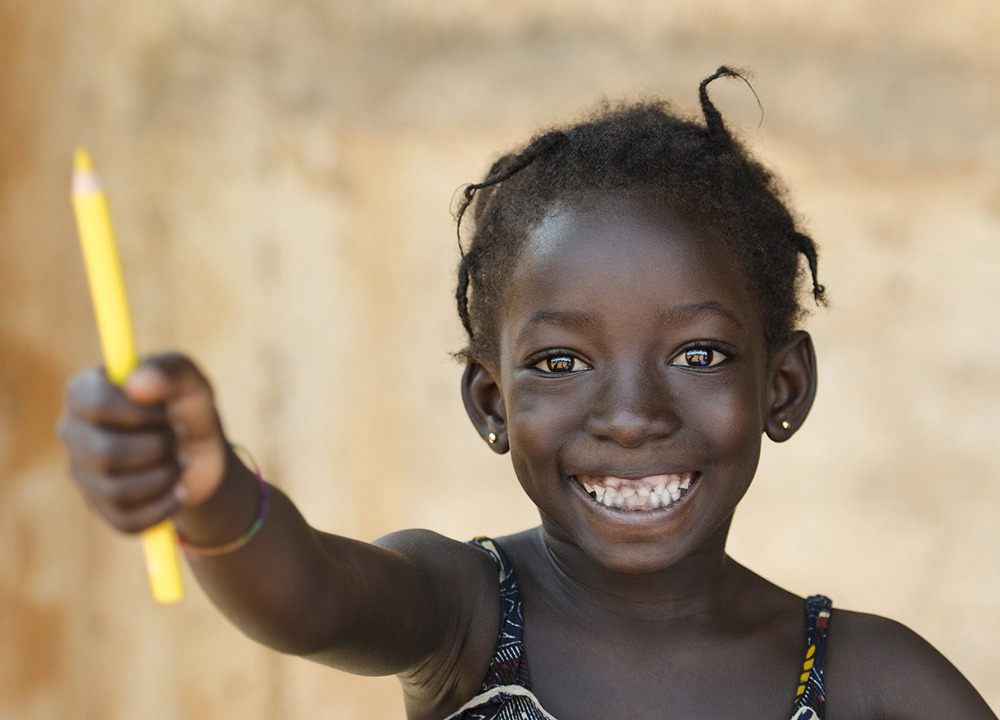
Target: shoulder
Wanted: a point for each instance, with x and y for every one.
(460, 575)
(464, 583)
(879, 668)
(443, 558)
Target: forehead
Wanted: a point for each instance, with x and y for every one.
(624, 236)
(620, 260)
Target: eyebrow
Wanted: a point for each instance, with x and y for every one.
(578, 319)
(695, 310)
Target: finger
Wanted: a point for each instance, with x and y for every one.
(174, 380)
(112, 451)
(141, 517)
(129, 492)
(190, 408)
(91, 396)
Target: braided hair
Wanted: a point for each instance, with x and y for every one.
(642, 150)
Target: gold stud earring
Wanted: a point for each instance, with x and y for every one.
(785, 425)
(491, 438)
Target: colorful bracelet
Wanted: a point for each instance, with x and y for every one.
(258, 522)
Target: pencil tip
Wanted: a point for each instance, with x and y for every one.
(81, 160)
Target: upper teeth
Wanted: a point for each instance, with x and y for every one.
(645, 494)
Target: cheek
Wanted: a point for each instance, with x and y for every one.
(533, 429)
(538, 428)
(730, 418)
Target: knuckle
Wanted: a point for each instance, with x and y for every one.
(79, 382)
(102, 449)
(84, 385)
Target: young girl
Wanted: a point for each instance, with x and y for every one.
(631, 297)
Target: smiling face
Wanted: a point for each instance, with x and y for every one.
(632, 384)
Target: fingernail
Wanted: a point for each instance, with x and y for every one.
(142, 376)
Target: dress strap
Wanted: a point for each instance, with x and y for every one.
(810, 698)
(509, 665)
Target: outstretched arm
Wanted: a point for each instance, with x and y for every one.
(156, 449)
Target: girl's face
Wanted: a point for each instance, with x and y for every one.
(632, 384)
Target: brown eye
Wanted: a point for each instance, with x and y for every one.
(561, 364)
(698, 357)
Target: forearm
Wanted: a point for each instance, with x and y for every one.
(291, 587)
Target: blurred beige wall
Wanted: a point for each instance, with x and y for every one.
(281, 175)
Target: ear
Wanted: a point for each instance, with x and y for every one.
(791, 386)
(484, 404)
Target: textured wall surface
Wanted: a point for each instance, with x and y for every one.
(281, 175)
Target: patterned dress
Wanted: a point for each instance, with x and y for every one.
(506, 693)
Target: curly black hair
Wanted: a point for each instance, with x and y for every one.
(642, 150)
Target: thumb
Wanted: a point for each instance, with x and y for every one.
(174, 381)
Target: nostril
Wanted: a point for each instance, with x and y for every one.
(632, 405)
(630, 428)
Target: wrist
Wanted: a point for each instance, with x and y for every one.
(231, 513)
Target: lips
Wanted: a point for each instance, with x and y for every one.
(654, 492)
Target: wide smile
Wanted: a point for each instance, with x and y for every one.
(655, 492)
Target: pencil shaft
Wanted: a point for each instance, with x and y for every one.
(114, 324)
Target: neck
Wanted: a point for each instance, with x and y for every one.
(699, 584)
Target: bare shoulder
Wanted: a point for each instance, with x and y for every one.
(466, 570)
(879, 668)
(465, 586)
(444, 558)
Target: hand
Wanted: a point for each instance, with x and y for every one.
(143, 451)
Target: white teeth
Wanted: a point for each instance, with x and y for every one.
(632, 495)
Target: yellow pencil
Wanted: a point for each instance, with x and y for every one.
(107, 290)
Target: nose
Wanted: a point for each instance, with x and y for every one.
(632, 405)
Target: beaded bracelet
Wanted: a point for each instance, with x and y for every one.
(246, 537)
